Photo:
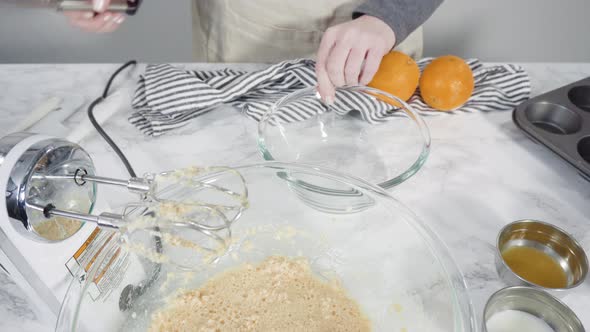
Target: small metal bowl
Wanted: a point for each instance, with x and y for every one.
(535, 302)
(553, 241)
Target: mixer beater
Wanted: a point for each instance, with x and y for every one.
(167, 189)
(170, 206)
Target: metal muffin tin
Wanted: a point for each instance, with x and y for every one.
(560, 120)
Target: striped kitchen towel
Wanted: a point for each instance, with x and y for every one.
(168, 97)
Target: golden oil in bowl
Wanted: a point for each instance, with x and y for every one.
(538, 254)
(535, 266)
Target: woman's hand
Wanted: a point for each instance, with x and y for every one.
(350, 54)
(97, 21)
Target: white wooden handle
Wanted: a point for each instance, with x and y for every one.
(39, 113)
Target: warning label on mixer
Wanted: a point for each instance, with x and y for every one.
(100, 248)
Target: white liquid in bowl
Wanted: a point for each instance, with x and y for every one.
(516, 321)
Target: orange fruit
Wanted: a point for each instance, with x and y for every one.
(398, 75)
(446, 83)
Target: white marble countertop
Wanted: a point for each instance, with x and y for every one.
(482, 172)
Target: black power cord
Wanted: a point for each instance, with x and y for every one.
(97, 126)
(131, 292)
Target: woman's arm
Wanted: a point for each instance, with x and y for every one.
(403, 16)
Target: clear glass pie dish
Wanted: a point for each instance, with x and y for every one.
(391, 263)
(366, 132)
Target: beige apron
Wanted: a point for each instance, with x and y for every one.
(267, 31)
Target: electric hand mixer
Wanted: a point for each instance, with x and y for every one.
(51, 191)
(166, 199)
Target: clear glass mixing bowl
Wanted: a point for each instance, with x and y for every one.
(361, 134)
(390, 262)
